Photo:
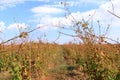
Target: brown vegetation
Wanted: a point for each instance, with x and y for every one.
(44, 61)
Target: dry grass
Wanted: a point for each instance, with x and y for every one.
(44, 61)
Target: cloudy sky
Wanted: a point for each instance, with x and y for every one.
(25, 15)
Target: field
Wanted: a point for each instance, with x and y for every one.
(94, 56)
(45, 61)
(31, 49)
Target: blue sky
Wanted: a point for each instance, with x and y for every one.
(30, 14)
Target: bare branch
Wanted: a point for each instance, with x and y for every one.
(20, 35)
(68, 34)
(113, 14)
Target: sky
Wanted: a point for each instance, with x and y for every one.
(24, 15)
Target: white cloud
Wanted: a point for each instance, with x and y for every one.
(101, 14)
(98, 14)
(2, 26)
(44, 28)
(44, 15)
(80, 3)
(50, 20)
(43, 10)
(9, 3)
(20, 26)
(104, 16)
(93, 1)
(49, 23)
